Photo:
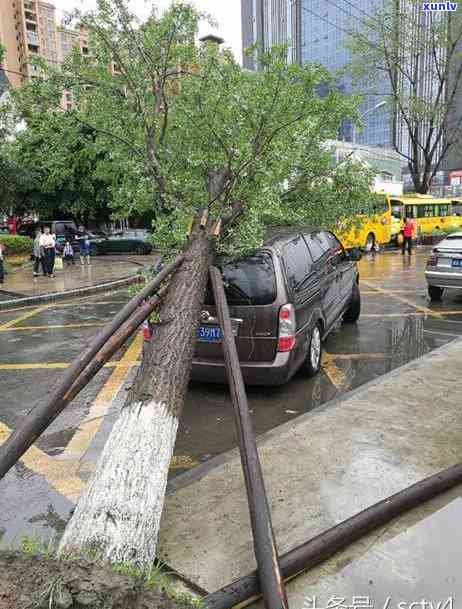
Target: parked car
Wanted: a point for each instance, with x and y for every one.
(121, 242)
(284, 300)
(444, 266)
(65, 229)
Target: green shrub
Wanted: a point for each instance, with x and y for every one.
(16, 244)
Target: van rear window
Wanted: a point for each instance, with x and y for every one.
(249, 281)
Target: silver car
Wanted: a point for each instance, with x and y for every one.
(444, 266)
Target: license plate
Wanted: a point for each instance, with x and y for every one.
(457, 262)
(209, 334)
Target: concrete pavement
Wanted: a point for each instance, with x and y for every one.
(398, 324)
(322, 468)
(21, 282)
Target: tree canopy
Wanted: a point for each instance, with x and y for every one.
(414, 58)
(174, 116)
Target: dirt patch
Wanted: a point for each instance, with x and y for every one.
(36, 582)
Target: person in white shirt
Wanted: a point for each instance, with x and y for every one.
(48, 243)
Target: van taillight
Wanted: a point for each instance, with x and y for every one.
(432, 260)
(286, 336)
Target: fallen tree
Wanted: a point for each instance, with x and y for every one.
(218, 153)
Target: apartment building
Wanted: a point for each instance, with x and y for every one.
(29, 28)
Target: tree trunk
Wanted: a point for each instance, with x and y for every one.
(119, 513)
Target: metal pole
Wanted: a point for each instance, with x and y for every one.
(269, 576)
(113, 344)
(40, 417)
(313, 552)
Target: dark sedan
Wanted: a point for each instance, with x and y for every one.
(123, 242)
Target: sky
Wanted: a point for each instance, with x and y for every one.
(226, 12)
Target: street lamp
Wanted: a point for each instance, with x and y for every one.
(376, 107)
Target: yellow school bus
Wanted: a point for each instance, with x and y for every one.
(367, 231)
(429, 213)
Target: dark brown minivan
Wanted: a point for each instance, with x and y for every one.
(284, 300)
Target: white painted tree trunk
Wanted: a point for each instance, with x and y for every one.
(119, 513)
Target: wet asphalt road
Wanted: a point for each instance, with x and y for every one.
(397, 325)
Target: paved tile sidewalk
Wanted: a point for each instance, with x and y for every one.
(21, 282)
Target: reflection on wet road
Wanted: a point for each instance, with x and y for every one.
(398, 324)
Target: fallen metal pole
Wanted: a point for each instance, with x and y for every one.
(269, 575)
(246, 589)
(40, 417)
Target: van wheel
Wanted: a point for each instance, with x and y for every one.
(434, 292)
(370, 242)
(353, 312)
(312, 363)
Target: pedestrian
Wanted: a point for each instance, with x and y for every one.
(85, 248)
(38, 254)
(68, 254)
(48, 242)
(2, 269)
(408, 234)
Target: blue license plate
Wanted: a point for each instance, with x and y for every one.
(209, 334)
(457, 262)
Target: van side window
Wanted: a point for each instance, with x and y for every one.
(318, 245)
(337, 251)
(297, 261)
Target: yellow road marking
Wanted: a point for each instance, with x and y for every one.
(22, 317)
(382, 315)
(51, 327)
(421, 308)
(62, 365)
(58, 474)
(81, 440)
(183, 462)
(440, 315)
(67, 303)
(359, 355)
(336, 375)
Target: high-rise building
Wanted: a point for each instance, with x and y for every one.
(316, 32)
(269, 22)
(28, 28)
(9, 39)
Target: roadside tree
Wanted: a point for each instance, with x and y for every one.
(218, 154)
(414, 57)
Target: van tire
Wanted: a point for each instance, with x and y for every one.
(312, 364)
(353, 312)
(435, 293)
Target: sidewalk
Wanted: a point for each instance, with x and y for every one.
(21, 283)
(324, 467)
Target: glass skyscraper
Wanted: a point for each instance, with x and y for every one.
(316, 31)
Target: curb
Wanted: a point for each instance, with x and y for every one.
(200, 471)
(88, 291)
